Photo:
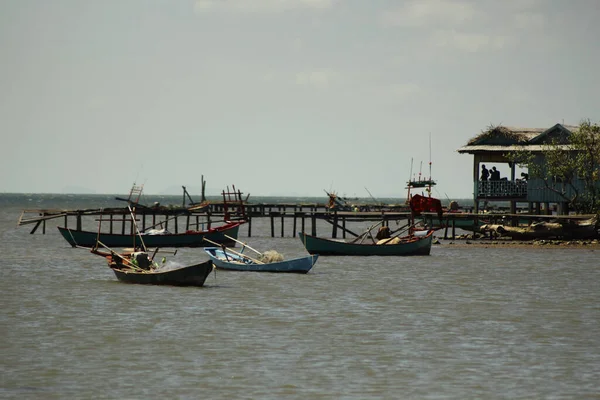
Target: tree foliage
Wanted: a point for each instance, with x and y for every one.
(570, 167)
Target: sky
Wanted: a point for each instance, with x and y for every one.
(280, 97)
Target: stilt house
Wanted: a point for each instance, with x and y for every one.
(492, 147)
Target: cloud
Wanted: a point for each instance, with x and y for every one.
(468, 26)
(529, 21)
(320, 78)
(523, 4)
(518, 95)
(404, 90)
(260, 6)
(419, 13)
(469, 42)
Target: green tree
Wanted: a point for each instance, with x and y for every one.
(567, 162)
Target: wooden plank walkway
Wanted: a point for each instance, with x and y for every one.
(298, 214)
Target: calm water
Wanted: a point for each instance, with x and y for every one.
(462, 323)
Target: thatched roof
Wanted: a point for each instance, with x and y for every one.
(507, 139)
(508, 149)
(512, 135)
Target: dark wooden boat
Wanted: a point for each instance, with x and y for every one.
(221, 235)
(412, 245)
(231, 260)
(129, 268)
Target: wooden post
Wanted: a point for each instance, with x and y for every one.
(453, 228)
(78, 221)
(294, 225)
(66, 219)
(123, 225)
(143, 222)
(37, 224)
(446, 230)
(282, 216)
(187, 223)
(110, 225)
(335, 225)
(344, 226)
(272, 224)
(175, 222)
(303, 222)
(314, 224)
(249, 226)
(44, 227)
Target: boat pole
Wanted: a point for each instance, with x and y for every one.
(225, 250)
(243, 244)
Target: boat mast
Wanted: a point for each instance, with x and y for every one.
(409, 180)
(429, 188)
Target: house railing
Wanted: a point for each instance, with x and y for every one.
(501, 189)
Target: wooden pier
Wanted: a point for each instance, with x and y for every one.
(300, 216)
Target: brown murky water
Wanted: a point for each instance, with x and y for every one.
(461, 323)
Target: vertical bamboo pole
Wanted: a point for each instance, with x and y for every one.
(272, 224)
(303, 214)
(446, 229)
(294, 224)
(453, 228)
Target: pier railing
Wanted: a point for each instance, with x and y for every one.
(503, 189)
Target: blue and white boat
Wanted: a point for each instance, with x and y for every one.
(227, 259)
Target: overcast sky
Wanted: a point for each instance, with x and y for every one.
(280, 97)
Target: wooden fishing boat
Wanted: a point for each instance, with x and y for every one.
(412, 245)
(227, 259)
(190, 238)
(138, 267)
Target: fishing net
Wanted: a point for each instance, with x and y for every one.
(271, 256)
(395, 240)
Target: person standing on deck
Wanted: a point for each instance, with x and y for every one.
(495, 174)
(485, 174)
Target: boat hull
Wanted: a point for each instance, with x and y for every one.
(193, 275)
(299, 265)
(187, 239)
(415, 246)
